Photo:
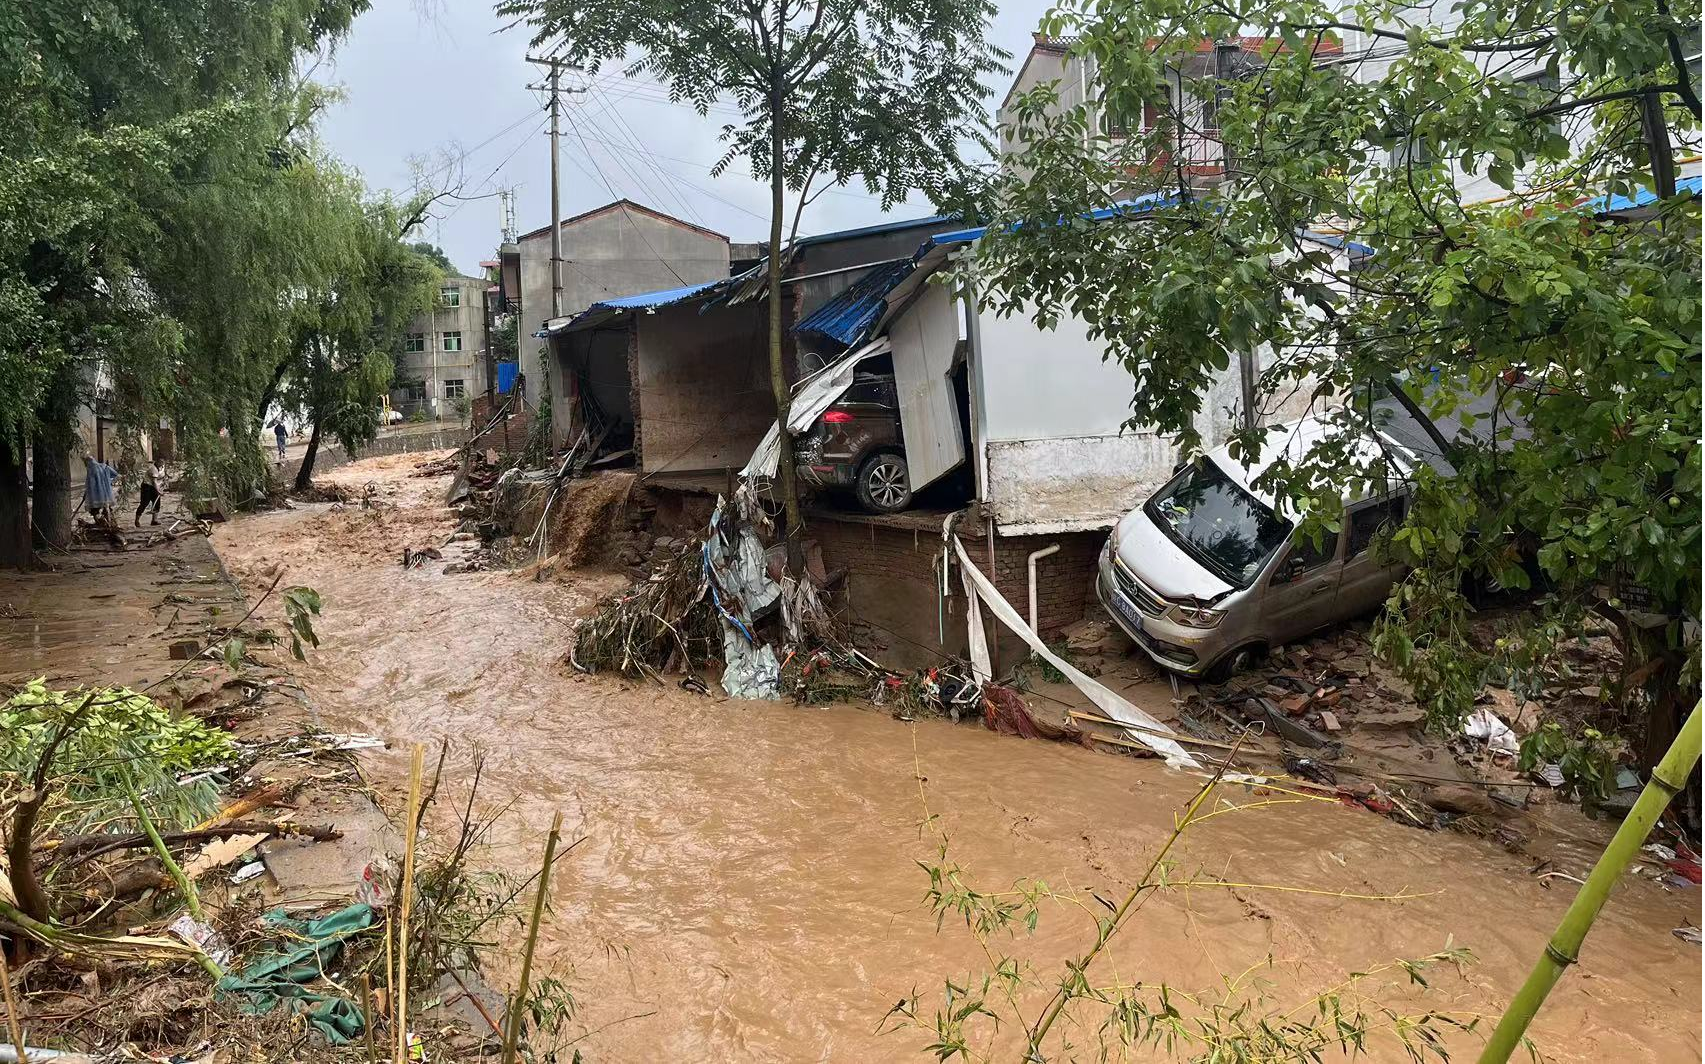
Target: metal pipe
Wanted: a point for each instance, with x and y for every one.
(1036, 556)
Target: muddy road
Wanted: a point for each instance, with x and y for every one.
(747, 888)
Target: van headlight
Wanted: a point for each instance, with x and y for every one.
(1195, 616)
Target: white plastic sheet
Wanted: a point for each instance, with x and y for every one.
(1485, 726)
(811, 397)
(1139, 725)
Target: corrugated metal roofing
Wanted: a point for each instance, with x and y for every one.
(873, 230)
(1642, 198)
(615, 306)
(648, 300)
(847, 317)
(1122, 209)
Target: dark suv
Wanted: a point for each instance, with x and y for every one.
(856, 444)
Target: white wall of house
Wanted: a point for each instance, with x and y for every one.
(1368, 58)
(1051, 414)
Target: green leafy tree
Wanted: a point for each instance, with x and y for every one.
(830, 92)
(126, 128)
(341, 363)
(1364, 121)
(433, 254)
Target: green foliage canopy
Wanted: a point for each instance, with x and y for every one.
(1366, 122)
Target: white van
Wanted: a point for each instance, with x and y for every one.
(1207, 574)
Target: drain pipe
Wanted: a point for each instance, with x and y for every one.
(1036, 556)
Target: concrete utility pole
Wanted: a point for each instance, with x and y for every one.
(556, 193)
(554, 87)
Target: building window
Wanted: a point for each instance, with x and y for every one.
(414, 342)
(450, 296)
(1543, 91)
(455, 389)
(414, 391)
(452, 341)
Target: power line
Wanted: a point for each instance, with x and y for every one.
(607, 187)
(627, 133)
(494, 172)
(464, 156)
(643, 187)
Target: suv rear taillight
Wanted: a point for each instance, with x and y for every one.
(837, 417)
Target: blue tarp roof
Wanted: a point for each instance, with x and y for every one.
(647, 300)
(848, 316)
(1642, 197)
(1122, 209)
(605, 309)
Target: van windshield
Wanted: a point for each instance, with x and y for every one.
(1216, 522)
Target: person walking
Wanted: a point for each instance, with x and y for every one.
(280, 432)
(153, 483)
(98, 478)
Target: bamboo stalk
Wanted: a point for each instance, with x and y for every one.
(191, 898)
(12, 1026)
(390, 967)
(413, 822)
(185, 887)
(514, 1037)
(1564, 949)
(367, 1016)
(1110, 927)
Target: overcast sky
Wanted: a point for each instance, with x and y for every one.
(446, 86)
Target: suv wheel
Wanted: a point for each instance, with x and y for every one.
(883, 484)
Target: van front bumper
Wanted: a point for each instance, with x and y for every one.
(1180, 648)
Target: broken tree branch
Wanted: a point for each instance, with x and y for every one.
(85, 848)
(20, 858)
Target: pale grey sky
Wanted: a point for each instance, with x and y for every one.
(448, 85)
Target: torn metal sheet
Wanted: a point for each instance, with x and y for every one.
(1139, 725)
(740, 585)
(924, 340)
(751, 671)
(811, 397)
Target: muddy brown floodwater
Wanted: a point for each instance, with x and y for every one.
(747, 888)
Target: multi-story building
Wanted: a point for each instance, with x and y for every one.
(1195, 151)
(442, 364)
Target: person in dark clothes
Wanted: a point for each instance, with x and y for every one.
(153, 483)
(280, 431)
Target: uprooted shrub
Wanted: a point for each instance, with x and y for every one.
(70, 760)
(664, 622)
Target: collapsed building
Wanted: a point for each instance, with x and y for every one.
(1024, 432)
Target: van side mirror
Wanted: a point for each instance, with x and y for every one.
(1289, 569)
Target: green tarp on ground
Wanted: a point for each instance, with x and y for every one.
(283, 976)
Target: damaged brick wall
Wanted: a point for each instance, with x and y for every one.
(893, 575)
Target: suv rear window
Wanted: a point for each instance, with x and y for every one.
(870, 390)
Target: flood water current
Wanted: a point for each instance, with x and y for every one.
(748, 885)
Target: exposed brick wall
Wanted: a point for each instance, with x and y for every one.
(893, 574)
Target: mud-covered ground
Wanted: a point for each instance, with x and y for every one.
(748, 887)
